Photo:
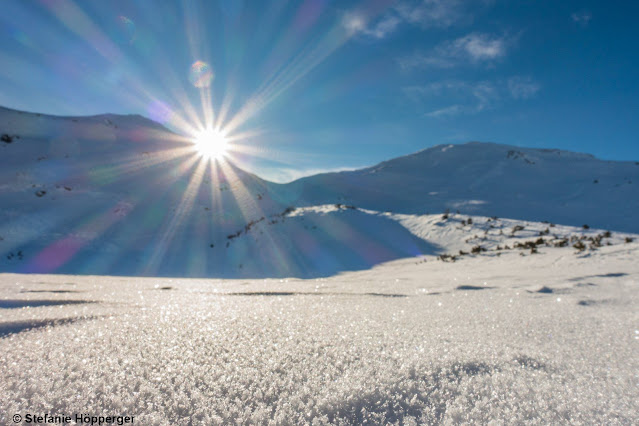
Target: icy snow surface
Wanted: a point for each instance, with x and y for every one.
(543, 339)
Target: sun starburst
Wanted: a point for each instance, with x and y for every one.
(211, 144)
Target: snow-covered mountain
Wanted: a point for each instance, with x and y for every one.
(122, 195)
(490, 179)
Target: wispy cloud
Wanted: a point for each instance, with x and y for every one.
(446, 111)
(486, 95)
(479, 47)
(431, 13)
(421, 60)
(523, 87)
(473, 48)
(384, 27)
(357, 23)
(353, 22)
(423, 13)
(467, 98)
(582, 18)
(439, 13)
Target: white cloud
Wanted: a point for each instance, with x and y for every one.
(523, 87)
(472, 48)
(479, 47)
(582, 18)
(422, 13)
(353, 23)
(384, 27)
(357, 23)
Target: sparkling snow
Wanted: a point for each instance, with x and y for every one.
(407, 342)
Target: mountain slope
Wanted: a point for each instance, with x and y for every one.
(93, 194)
(490, 180)
(122, 195)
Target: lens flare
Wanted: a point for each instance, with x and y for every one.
(201, 74)
(211, 143)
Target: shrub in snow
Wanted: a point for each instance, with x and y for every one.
(532, 245)
(517, 228)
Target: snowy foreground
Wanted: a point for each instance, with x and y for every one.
(538, 338)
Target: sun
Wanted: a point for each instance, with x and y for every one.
(211, 143)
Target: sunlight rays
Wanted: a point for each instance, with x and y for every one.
(64, 249)
(281, 79)
(214, 135)
(248, 207)
(219, 135)
(287, 75)
(129, 167)
(297, 52)
(182, 210)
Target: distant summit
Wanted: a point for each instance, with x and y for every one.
(492, 180)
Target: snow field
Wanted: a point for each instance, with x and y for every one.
(402, 343)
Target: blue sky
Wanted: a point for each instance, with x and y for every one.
(314, 85)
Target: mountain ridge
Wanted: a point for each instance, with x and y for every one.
(489, 179)
(118, 195)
